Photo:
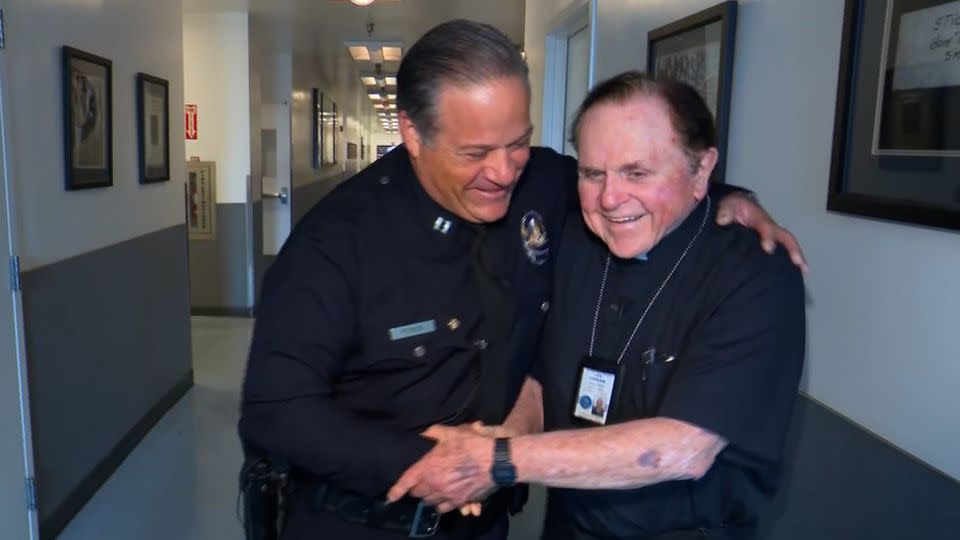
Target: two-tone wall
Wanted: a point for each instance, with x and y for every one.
(104, 271)
(216, 73)
(882, 360)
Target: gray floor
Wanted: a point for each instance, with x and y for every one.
(180, 482)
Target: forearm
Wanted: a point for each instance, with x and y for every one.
(625, 456)
(333, 444)
(527, 414)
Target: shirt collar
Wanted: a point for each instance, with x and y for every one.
(438, 223)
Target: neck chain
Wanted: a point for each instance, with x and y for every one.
(603, 283)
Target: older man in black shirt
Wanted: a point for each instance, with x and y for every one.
(693, 336)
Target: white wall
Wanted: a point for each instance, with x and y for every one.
(55, 224)
(216, 71)
(882, 346)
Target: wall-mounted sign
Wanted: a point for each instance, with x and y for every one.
(190, 117)
(201, 200)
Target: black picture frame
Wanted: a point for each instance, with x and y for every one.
(87, 120)
(153, 128)
(698, 50)
(908, 188)
(317, 129)
(328, 148)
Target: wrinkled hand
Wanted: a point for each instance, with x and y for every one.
(739, 208)
(452, 475)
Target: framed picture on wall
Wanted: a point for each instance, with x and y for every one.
(328, 131)
(153, 128)
(317, 129)
(896, 140)
(698, 50)
(201, 200)
(87, 120)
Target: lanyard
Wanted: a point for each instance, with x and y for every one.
(603, 284)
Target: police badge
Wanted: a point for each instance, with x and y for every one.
(533, 235)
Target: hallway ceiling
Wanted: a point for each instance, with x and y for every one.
(322, 26)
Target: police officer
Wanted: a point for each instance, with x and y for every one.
(413, 295)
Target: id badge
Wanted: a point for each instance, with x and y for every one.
(597, 390)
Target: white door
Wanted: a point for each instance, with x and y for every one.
(569, 67)
(577, 81)
(276, 151)
(17, 518)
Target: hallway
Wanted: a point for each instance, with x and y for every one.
(180, 482)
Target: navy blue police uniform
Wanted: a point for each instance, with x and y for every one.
(385, 314)
(721, 348)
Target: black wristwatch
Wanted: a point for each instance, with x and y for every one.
(503, 472)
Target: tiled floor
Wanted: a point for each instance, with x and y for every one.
(181, 482)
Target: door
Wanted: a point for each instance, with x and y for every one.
(18, 516)
(275, 148)
(568, 76)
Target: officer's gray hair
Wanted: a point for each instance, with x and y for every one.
(459, 52)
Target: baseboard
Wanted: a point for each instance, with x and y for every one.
(75, 501)
(222, 312)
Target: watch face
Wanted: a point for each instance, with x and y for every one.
(504, 474)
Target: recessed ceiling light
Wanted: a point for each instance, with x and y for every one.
(374, 95)
(369, 81)
(391, 81)
(362, 2)
(360, 52)
(392, 54)
(391, 97)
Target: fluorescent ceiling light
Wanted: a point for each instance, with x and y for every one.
(392, 106)
(375, 51)
(391, 97)
(391, 81)
(392, 54)
(378, 106)
(374, 95)
(369, 81)
(362, 2)
(360, 52)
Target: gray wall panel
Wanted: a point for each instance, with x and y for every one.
(218, 267)
(844, 482)
(108, 339)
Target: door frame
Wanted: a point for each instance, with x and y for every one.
(8, 244)
(580, 14)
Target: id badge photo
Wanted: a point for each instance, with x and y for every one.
(597, 391)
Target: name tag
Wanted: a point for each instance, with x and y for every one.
(597, 391)
(411, 330)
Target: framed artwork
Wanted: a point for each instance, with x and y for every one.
(201, 200)
(698, 50)
(328, 130)
(153, 128)
(317, 129)
(896, 139)
(87, 120)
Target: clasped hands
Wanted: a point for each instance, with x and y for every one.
(455, 474)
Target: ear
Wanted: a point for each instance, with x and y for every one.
(409, 135)
(701, 180)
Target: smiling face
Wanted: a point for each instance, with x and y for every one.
(479, 147)
(636, 181)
